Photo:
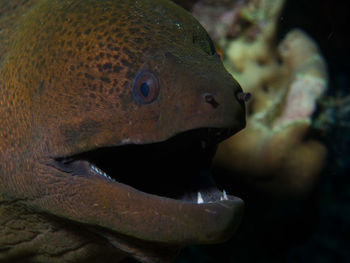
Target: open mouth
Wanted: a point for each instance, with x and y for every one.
(158, 193)
(178, 168)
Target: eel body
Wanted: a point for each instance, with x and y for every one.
(110, 113)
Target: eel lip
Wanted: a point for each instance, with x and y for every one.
(186, 223)
(160, 192)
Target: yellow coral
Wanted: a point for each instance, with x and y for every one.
(285, 81)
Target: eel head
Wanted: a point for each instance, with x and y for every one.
(127, 102)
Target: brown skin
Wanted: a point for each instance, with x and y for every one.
(67, 70)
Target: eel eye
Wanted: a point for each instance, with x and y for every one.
(146, 87)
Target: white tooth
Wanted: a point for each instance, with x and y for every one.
(199, 199)
(100, 172)
(221, 198)
(225, 195)
(93, 167)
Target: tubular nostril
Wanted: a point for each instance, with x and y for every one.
(244, 97)
(209, 98)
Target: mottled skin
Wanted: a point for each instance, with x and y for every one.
(66, 74)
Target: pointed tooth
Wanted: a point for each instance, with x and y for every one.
(93, 167)
(225, 195)
(221, 198)
(199, 198)
(98, 170)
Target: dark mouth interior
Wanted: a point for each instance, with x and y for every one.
(178, 168)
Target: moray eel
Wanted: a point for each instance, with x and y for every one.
(110, 114)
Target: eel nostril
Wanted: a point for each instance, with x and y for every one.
(242, 96)
(209, 98)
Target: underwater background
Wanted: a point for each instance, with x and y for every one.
(310, 224)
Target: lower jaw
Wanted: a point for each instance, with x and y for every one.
(169, 225)
(175, 222)
(202, 215)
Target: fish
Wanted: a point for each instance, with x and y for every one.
(110, 114)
